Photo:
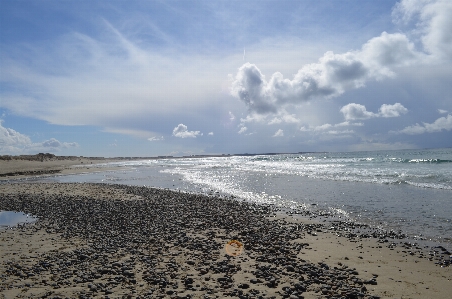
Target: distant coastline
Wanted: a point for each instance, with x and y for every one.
(45, 163)
(47, 156)
(23, 166)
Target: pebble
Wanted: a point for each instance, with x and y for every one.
(158, 230)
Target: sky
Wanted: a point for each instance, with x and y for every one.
(153, 78)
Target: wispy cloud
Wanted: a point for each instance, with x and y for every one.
(231, 116)
(156, 138)
(327, 126)
(279, 133)
(107, 81)
(242, 130)
(286, 118)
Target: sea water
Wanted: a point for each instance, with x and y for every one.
(407, 190)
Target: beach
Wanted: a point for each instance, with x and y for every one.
(17, 167)
(118, 241)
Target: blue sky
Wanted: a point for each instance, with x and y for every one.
(147, 78)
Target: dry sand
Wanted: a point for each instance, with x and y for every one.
(398, 274)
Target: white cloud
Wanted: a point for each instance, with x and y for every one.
(231, 116)
(53, 143)
(334, 74)
(442, 123)
(442, 111)
(355, 111)
(346, 124)
(279, 133)
(13, 142)
(210, 134)
(335, 132)
(253, 117)
(275, 121)
(10, 137)
(111, 71)
(154, 138)
(182, 131)
(131, 132)
(322, 127)
(392, 110)
(287, 118)
(433, 20)
(242, 130)
(74, 77)
(331, 76)
(329, 126)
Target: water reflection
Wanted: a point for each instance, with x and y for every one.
(12, 218)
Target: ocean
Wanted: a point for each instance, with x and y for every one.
(404, 190)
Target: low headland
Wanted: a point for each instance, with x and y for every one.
(118, 241)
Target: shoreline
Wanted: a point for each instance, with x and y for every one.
(171, 244)
(29, 166)
(21, 169)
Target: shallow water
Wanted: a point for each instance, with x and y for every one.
(12, 218)
(409, 191)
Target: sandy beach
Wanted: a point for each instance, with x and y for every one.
(44, 164)
(114, 241)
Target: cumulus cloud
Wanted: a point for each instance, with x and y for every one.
(181, 131)
(442, 111)
(331, 76)
(442, 123)
(433, 20)
(355, 111)
(392, 110)
(334, 74)
(13, 142)
(154, 138)
(242, 130)
(279, 133)
(210, 134)
(10, 137)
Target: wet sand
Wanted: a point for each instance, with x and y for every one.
(115, 241)
(18, 168)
